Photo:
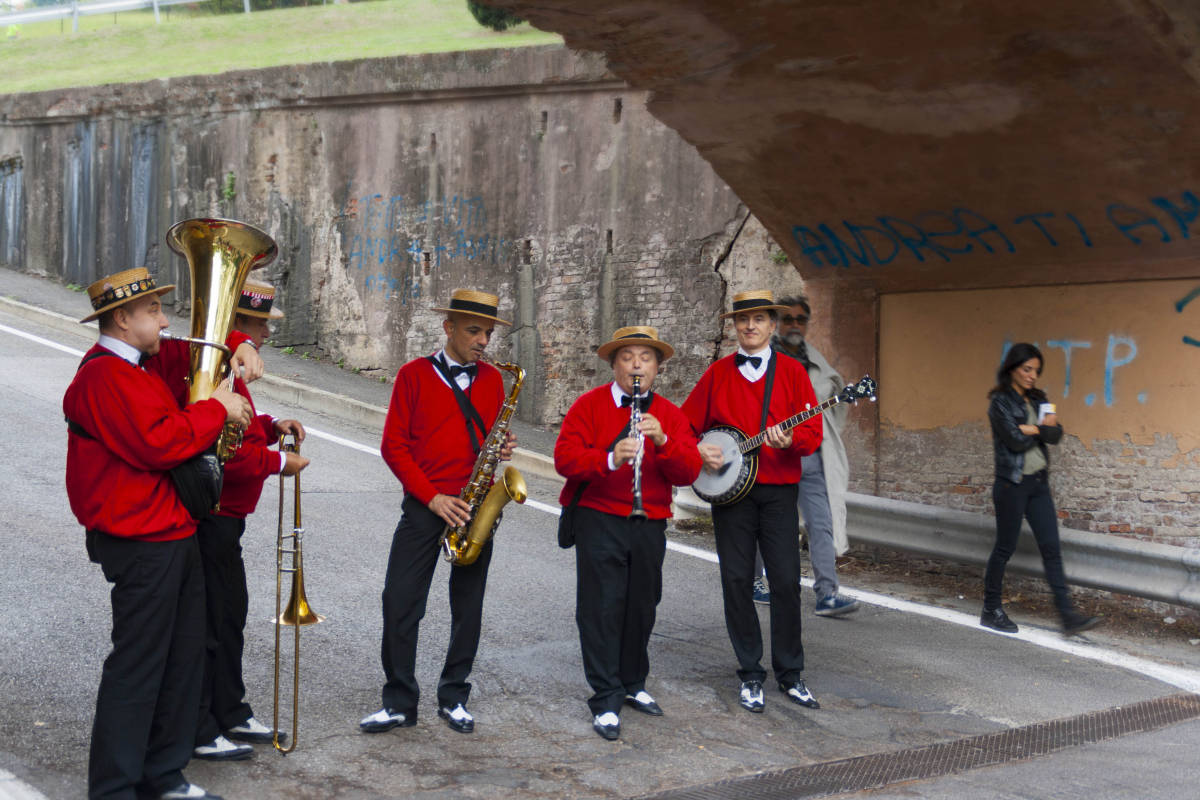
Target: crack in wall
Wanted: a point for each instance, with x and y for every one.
(717, 264)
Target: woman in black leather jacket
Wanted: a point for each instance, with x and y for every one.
(1023, 423)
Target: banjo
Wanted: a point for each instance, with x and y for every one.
(736, 476)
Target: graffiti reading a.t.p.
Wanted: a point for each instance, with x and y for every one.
(963, 232)
(1120, 351)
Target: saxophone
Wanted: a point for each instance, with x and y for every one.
(462, 543)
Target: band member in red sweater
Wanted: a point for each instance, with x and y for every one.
(224, 713)
(733, 391)
(619, 555)
(126, 432)
(443, 406)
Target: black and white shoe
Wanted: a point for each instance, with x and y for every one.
(458, 718)
(188, 791)
(221, 749)
(608, 725)
(643, 702)
(385, 719)
(751, 696)
(799, 694)
(254, 731)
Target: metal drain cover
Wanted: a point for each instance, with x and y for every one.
(875, 771)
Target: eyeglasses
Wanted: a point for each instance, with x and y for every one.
(790, 320)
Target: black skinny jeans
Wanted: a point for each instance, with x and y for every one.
(1029, 499)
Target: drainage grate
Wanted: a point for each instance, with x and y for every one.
(875, 771)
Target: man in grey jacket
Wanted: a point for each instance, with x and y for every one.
(822, 497)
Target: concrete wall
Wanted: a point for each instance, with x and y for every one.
(530, 173)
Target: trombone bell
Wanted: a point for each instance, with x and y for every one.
(298, 611)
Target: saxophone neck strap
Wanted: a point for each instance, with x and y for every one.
(475, 426)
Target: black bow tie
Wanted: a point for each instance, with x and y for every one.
(143, 358)
(469, 370)
(643, 401)
(739, 359)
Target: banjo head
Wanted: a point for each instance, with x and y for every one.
(736, 475)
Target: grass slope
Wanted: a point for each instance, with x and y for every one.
(126, 47)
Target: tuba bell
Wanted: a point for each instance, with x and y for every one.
(220, 254)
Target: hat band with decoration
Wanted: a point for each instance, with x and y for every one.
(123, 292)
(255, 301)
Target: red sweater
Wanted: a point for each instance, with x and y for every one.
(118, 482)
(254, 461)
(581, 454)
(425, 440)
(724, 397)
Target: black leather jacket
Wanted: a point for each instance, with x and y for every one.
(1007, 413)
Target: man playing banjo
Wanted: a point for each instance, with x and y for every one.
(753, 391)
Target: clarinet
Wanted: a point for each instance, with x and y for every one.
(635, 417)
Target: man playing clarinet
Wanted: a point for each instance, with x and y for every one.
(620, 537)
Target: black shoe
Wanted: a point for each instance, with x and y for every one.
(799, 694)
(644, 703)
(385, 719)
(608, 725)
(997, 620)
(1074, 622)
(458, 718)
(751, 696)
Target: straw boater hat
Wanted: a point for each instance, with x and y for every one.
(258, 300)
(116, 290)
(635, 334)
(477, 304)
(763, 300)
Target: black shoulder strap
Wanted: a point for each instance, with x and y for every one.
(583, 486)
(73, 426)
(762, 425)
(471, 416)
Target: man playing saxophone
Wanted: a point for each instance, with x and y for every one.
(441, 411)
(619, 552)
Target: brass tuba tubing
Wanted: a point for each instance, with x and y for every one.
(220, 254)
(298, 612)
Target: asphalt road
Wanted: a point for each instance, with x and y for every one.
(887, 679)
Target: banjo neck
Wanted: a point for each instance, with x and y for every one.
(790, 422)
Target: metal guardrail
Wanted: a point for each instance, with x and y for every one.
(77, 10)
(1112, 563)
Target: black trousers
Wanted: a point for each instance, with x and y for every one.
(1029, 499)
(618, 568)
(415, 553)
(149, 693)
(222, 704)
(766, 520)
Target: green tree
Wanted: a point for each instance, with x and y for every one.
(495, 18)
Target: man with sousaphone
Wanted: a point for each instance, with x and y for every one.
(447, 412)
(621, 449)
(126, 433)
(754, 390)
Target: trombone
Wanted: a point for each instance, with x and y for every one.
(298, 612)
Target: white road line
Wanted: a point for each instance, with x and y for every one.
(61, 347)
(1186, 679)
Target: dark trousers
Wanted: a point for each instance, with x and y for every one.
(149, 693)
(1029, 499)
(618, 568)
(226, 602)
(416, 549)
(766, 520)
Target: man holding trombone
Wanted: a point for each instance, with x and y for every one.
(617, 517)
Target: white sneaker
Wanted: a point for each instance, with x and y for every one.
(221, 749)
(254, 731)
(188, 791)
